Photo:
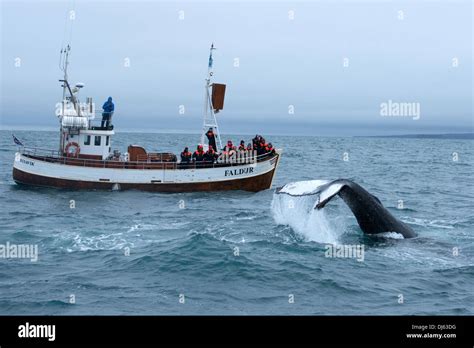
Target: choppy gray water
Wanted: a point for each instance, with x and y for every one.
(191, 251)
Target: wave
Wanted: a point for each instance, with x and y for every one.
(113, 241)
(246, 216)
(431, 223)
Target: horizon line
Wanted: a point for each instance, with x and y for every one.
(193, 132)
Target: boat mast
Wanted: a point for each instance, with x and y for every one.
(210, 119)
(65, 53)
(63, 64)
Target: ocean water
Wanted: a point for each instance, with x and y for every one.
(184, 246)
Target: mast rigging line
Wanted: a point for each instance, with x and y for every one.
(67, 18)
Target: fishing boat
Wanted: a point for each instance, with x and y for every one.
(85, 159)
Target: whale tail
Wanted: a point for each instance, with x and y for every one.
(371, 215)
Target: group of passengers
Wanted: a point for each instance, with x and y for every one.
(258, 144)
(199, 155)
(261, 146)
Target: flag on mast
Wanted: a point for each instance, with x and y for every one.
(210, 56)
(210, 60)
(18, 142)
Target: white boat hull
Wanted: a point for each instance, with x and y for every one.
(251, 177)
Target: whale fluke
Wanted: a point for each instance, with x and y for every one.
(371, 215)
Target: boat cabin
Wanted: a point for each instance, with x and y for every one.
(91, 144)
(80, 138)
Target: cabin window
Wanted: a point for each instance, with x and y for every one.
(107, 141)
(87, 140)
(97, 140)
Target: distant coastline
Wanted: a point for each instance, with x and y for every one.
(461, 136)
(469, 136)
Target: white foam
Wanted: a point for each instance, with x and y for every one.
(298, 213)
(431, 223)
(392, 235)
(112, 241)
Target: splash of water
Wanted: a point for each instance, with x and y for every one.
(299, 213)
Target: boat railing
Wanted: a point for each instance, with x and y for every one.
(38, 151)
(97, 125)
(54, 156)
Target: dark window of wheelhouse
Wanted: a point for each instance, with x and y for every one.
(107, 141)
(97, 140)
(87, 140)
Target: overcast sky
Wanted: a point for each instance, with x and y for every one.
(402, 51)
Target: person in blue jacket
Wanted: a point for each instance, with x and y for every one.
(108, 112)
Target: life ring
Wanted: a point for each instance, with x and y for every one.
(75, 149)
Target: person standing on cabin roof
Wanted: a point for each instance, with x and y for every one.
(211, 138)
(109, 108)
